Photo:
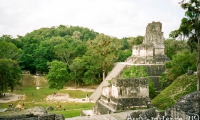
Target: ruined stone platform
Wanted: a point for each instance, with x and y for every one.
(113, 116)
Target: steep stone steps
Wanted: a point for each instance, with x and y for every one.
(112, 110)
(113, 74)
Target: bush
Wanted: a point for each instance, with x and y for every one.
(179, 65)
(152, 89)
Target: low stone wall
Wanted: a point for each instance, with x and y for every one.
(143, 114)
(36, 113)
(155, 70)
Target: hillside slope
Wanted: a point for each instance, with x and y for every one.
(29, 80)
(182, 85)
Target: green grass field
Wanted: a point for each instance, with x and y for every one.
(72, 108)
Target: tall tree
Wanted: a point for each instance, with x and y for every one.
(10, 74)
(30, 43)
(135, 41)
(92, 68)
(58, 74)
(189, 27)
(69, 49)
(173, 46)
(77, 70)
(106, 48)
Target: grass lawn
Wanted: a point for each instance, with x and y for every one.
(72, 108)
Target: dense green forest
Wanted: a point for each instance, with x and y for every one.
(83, 56)
(64, 53)
(80, 55)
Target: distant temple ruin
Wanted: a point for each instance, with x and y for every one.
(151, 51)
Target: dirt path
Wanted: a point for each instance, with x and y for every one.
(9, 97)
(61, 97)
(82, 89)
(65, 98)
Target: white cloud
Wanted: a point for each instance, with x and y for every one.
(120, 18)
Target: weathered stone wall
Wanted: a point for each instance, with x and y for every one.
(187, 107)
(143, 50)
(153, 43)
(154, 70)
(106, 91)
(159, 51)
(102, 109)
(154, 33)
(159, 59)
(127, 103)
(156, 82)
(154, 73)
(130, 88)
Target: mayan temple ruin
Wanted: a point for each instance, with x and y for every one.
(151, 51)
(149, 54)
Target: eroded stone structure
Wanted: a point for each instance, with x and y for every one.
(151, 51)
(123, 94)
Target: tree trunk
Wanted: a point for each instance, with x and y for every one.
(198, 66)
(197, 32)
(75, 79)
(11, 88)
(198, 73)
(92, 85)
(104, 75)
(1, 90)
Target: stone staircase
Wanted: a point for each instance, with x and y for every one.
(112, 110)
(113, 74)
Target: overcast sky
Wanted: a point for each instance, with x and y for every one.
(118, 18)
